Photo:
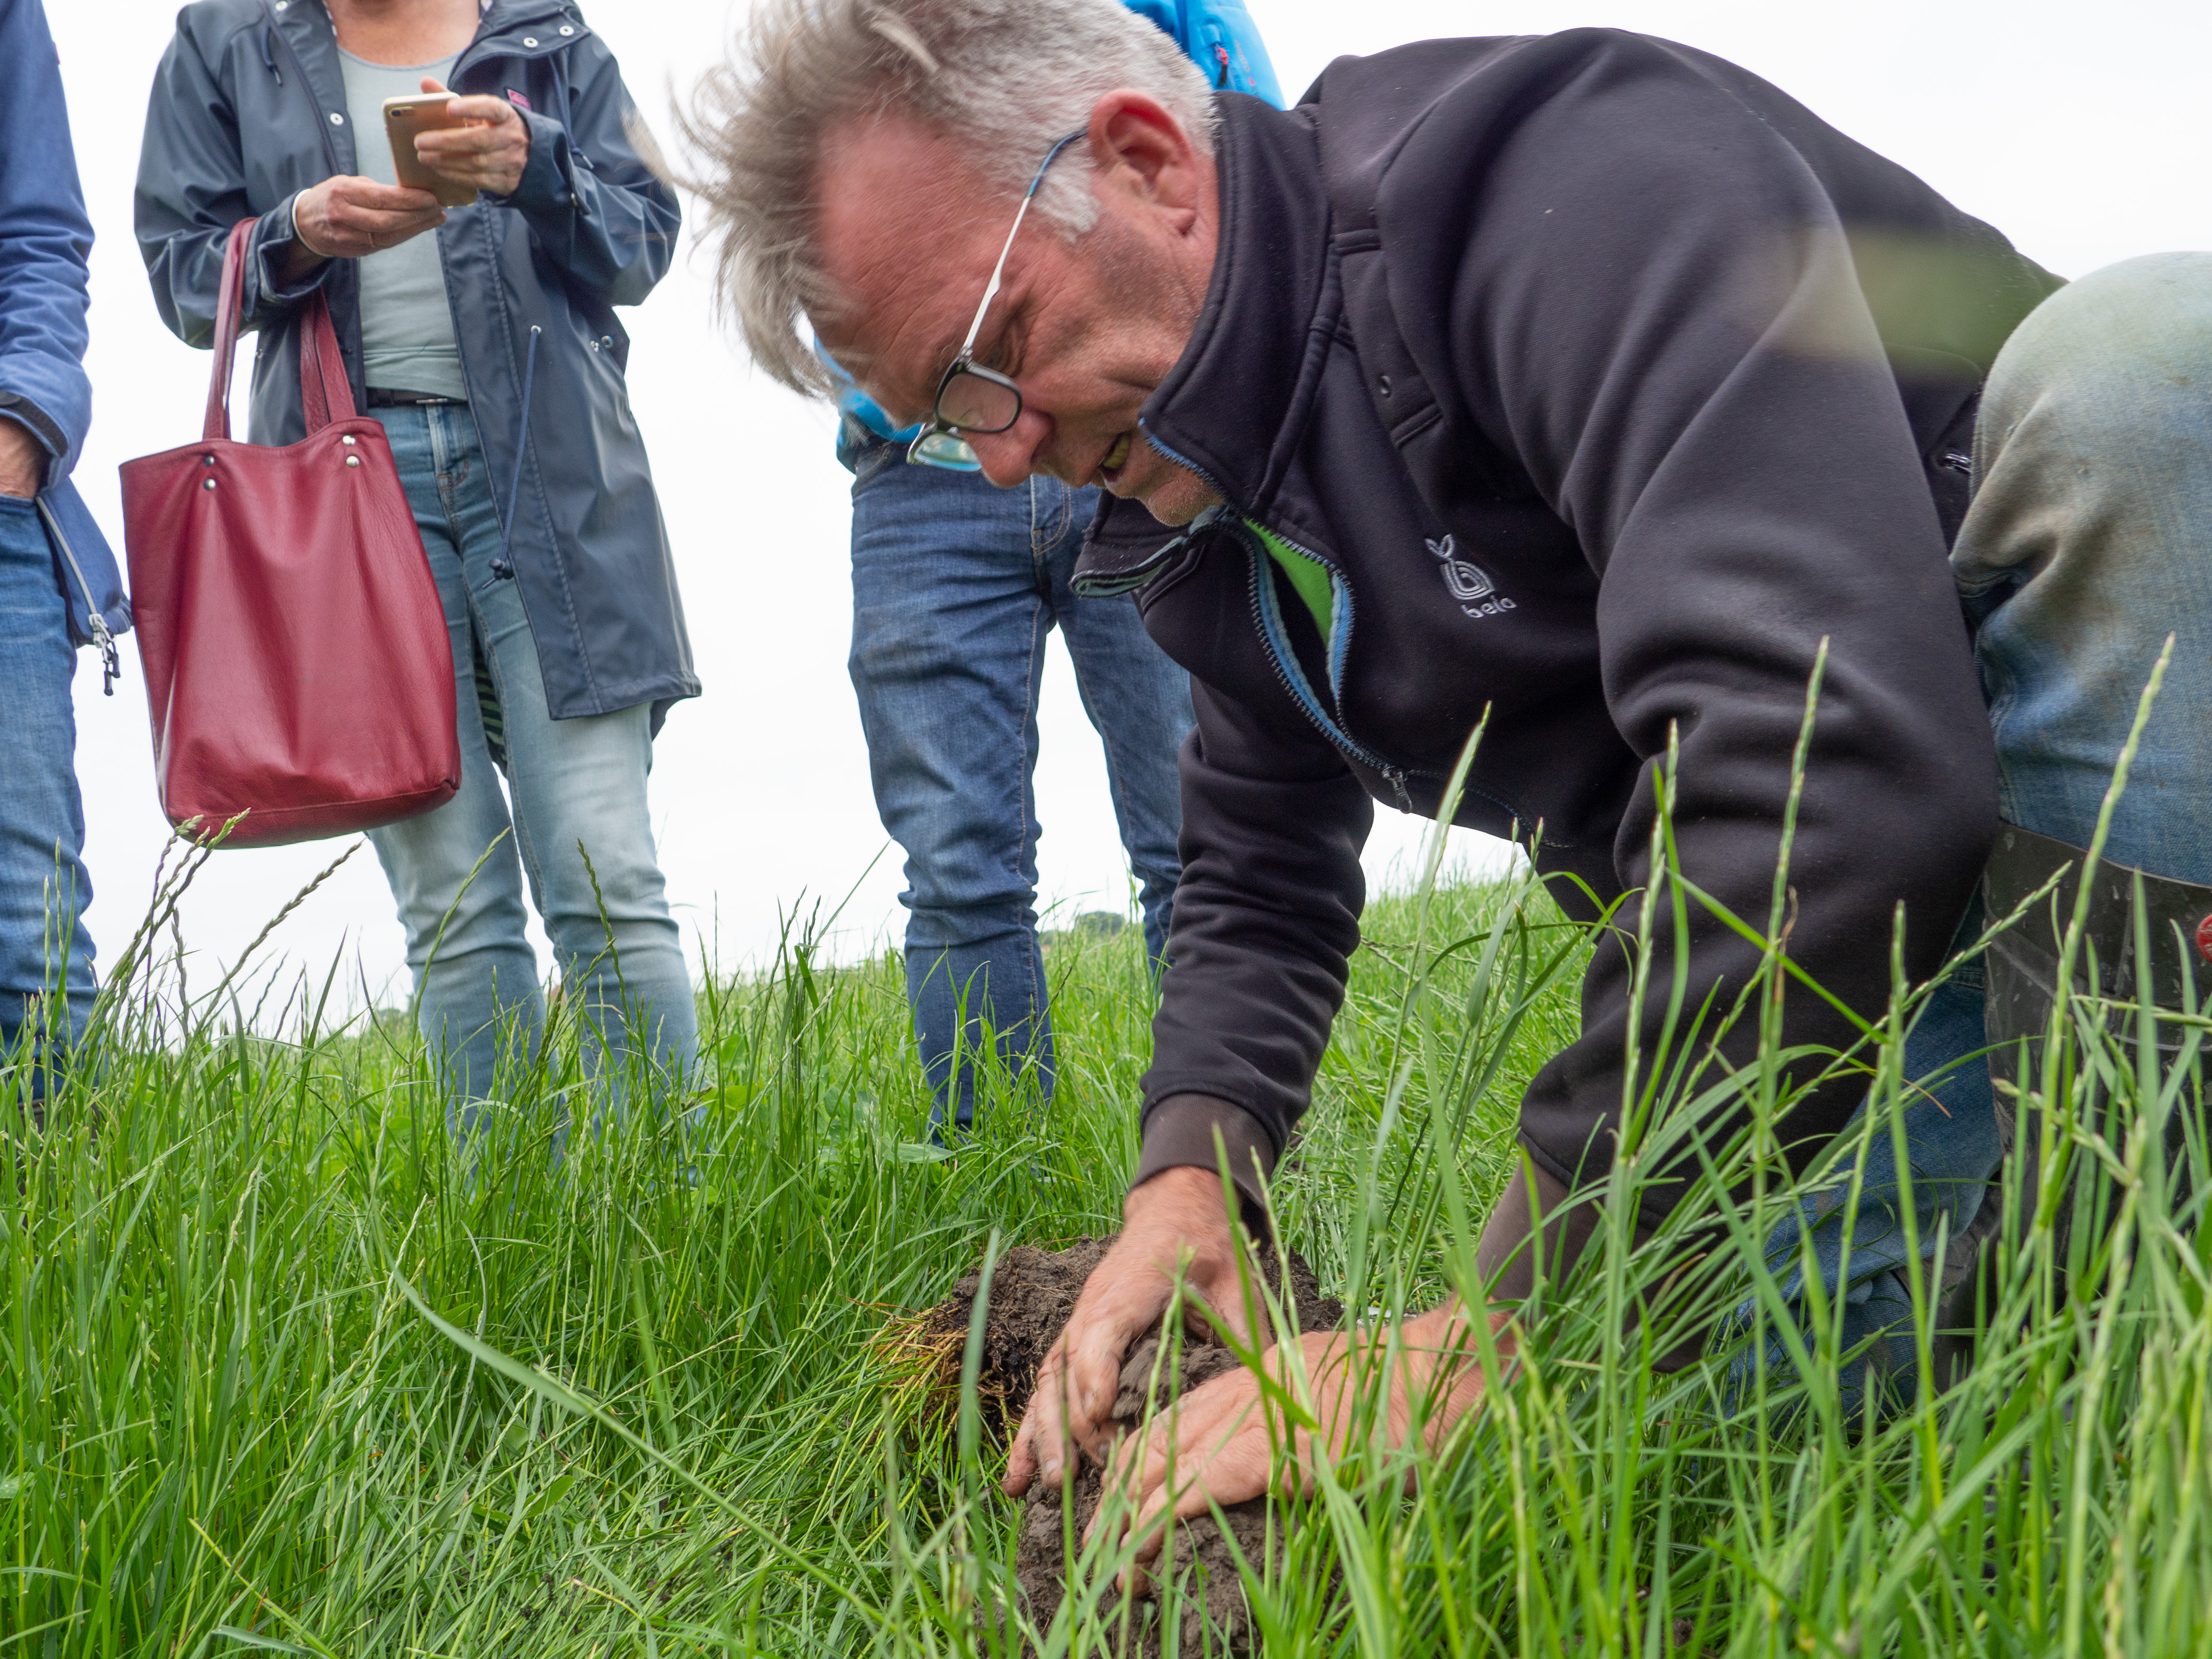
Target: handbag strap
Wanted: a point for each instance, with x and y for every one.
(325, 395)
(217, 425)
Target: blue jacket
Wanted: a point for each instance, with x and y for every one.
(44, 240)
(249, 109)
(1221, 38)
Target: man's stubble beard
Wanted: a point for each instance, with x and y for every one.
(1146, 289)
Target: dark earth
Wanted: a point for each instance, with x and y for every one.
(1032, 1293)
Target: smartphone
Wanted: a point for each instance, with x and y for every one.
(424, 112)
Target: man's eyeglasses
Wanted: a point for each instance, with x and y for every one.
(970, 398)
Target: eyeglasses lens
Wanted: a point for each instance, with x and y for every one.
(976, 404)
(944, 449)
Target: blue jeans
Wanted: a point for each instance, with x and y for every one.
(574, 787)
(2088, 541)
(45, 955)
(955, 584)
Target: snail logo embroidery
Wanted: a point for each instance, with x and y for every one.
(1477, 594)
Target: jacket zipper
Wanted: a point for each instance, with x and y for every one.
(1300, 693)
(1268, 627)
(110, 664)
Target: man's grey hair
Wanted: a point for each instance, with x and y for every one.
(1004, 77)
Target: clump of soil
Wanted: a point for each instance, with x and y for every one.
(1032, 1293)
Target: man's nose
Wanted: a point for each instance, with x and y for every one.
(1011, 456)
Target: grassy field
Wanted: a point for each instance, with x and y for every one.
(280, 1372)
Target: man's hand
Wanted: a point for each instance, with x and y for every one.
(1176, 1216)
(22, 460)
(349, 217)
(488, 153)
(1220, 1433)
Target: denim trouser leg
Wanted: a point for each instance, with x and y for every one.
(2089, 541)
(1954, 1148)
(569, 783)
(1138, 698)
(955, 586)
(43, 889)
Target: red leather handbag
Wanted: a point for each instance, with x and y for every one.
(298, 668)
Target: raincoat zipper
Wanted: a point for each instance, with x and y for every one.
(110, 664)
(1267, 621)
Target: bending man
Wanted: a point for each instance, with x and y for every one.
(1586, 380)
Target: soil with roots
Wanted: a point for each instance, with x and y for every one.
(1033, 1291)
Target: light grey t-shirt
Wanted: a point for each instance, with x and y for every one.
(406, 323)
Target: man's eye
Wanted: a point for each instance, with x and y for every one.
(1005, 354)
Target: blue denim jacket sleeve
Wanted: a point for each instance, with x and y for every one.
(46, 241)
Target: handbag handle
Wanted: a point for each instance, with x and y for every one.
(325, 395)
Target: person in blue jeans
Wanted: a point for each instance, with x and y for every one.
(484, 338)
(60, 587)
(955, 585)
(2085, 546)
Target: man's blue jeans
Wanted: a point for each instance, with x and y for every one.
(573, 787)
(2088, 541)
(955, 586)
(45, 954)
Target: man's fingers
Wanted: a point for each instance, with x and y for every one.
(1021, 1463)
(1226, 1301)
(1235, 1471)
(1040, 1444)
(1093, 1376)
(1180, 1442)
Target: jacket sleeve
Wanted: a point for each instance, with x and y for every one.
(191, 190)
(593, 202)
(1655, 308)
(46, 241)
(1267, 916)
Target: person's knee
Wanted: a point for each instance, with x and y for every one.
(2088, 471)
(451, 898)
(2102, 345)
(998, 926)
(602, 884)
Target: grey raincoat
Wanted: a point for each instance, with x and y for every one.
(249, 108)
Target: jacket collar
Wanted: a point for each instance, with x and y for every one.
(507, 28)
(527, 29)
(1235, 400)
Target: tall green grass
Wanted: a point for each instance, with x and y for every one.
(282, 1370)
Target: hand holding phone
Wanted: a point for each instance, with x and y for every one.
(478, 142)
(407, 118)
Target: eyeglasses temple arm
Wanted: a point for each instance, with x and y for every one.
(999, 270)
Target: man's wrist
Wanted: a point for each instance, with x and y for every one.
(1192, 1131)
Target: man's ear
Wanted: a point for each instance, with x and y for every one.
(1137, 146)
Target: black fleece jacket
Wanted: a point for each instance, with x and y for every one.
(1606, 381)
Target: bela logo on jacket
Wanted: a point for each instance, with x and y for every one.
(1477, 594)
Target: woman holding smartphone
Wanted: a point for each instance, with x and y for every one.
(484, 337)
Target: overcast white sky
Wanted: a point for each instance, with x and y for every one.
(2083, 132)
